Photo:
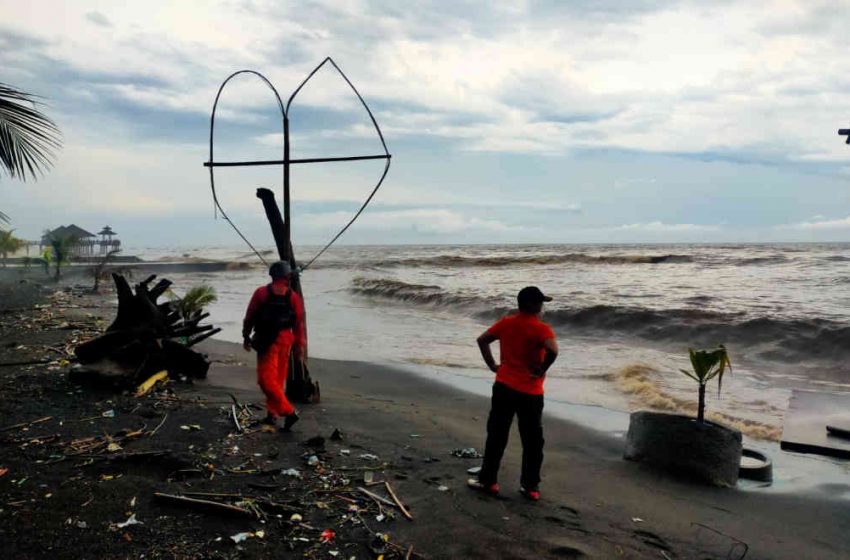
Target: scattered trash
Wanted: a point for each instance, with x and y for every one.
(415, 436)
(327, 536)
(109, 413)
(368, 477)
(336, 435)
(113, 447)
(145, 387)
(637, 520)
(193, 427)
(291, 472)
(133, 502)
(130, 521)
(296, 518)
(313, 461)
(380, 517)
(82, 525)
(467, 453)
(239, 537)
(345, 452)
(3, 471)
(473, 470)
(368, 457)
(442, 488)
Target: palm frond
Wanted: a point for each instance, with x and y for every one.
(28, 138)
(196, 299)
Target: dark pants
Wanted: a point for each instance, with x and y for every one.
(529, 411)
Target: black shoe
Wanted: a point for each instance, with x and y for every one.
(290, 421)
(269, 419)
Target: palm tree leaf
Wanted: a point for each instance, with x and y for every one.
(28, 138)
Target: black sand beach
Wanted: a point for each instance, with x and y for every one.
(594, 504)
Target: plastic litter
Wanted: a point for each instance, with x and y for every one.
(239, 537)
(113, 447)
(296, 518)
(442, 488)
(291, 472)
(327, 536)
(467, 453)
(368, 477)
(313, 461)
(637, 520)
(368, 457)
(3, 471)
(109, 413)
(130, 521)
(345, 452)
(473, 470)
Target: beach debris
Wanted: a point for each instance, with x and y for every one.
(369, 457)
(466, 453)
(150, 382)
(26, 424)
(345, 452)
(415, 436)
(336, 435)
(313, 461)
(145, 338)
(108, 413)
(113, 447)
(442, 488)
(240, 537)
(130, 521)
(82, 525)
(327, 536)
(473, 470)
(3, 471)
(296, 518)
(368, 477)
(193, 427)
(397, 502)
(208, 505)
(291, 472)
(637, 520)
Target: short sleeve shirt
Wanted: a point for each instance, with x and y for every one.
(521, 338)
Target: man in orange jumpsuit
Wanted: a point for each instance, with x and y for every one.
(276, 316)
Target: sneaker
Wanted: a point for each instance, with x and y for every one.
(290, 421)
(532, 494)
(475, 484)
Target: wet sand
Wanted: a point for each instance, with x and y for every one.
(594, 503)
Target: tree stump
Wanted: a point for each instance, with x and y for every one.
(146, 337)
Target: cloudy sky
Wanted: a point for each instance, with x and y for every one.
(522, 121)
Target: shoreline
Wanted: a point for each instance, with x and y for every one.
(594, 505)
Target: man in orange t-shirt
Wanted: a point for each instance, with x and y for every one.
(527, 348)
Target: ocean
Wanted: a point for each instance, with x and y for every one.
(624, 315)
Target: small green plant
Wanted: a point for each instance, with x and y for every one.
(707, 364)
(196, 299)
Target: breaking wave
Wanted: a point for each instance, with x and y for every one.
(457, 261)
(775, 338)
(640, 381)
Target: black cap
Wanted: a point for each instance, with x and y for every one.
(280, 269)
(531, 295)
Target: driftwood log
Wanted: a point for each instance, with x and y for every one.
(299, 386)
(146, 337)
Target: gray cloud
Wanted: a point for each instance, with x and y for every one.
(98, 18)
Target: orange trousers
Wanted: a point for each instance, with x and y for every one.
(272, 371)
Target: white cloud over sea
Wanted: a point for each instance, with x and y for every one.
(517, 121)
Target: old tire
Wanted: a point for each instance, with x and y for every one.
(759, 467)
(704, 452)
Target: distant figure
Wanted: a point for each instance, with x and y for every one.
(527, 348)
(276, 316)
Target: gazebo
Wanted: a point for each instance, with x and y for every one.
(108, 244)
(84, 246)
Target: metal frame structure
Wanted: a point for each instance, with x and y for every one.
(286, 161)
